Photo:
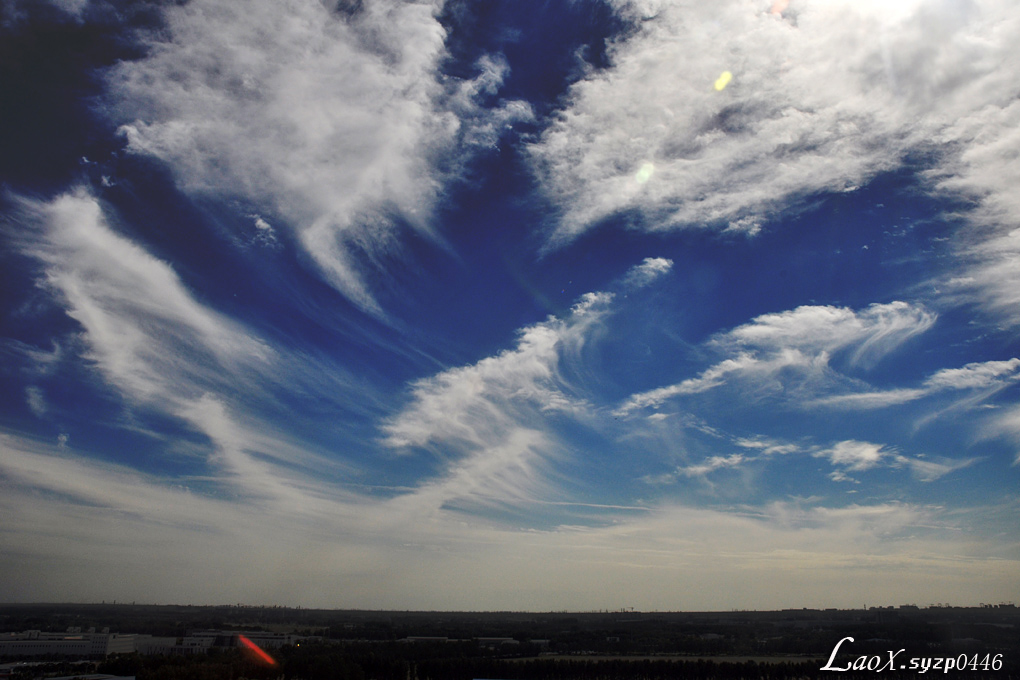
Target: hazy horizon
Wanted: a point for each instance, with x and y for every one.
(454, 305)
(620, 610)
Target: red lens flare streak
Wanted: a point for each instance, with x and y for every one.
(258, 650)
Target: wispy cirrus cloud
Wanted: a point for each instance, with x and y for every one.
(857, 456)
(852, 456)
(467, 404)
(930, 470)
(847, 456)
(338, 123)
(975, 375)
(131, 529)
(822, 97)
(712, 464)
(806, 89)
(146, 335)
(280, 444)
(36, 400)
(145, 332)
(766, 446)
(799, 344)
(492, 422)
(987, 376)
(872, 400)
(490, 418)
(14, 10)
(1006, 423)
(872, 332)
(59, 508)
(646, 272)
(984, 171)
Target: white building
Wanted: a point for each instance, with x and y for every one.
(100, 645)
(82, 645)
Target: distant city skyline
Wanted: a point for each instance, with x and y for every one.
(481, 306)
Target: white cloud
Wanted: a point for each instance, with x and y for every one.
(823, 97)
(928, 470)
(854, 456)
(766, 446)
(164, 351)
(145, 332)
(39, 362)
(13, 9)
(857, 456)
(712, 464)
(799, 343)
(265, 235)
(974, 375)
(127, 531)
(846, 457)
(810, 108)
(468, 404)
(146, 335)
(710, 378)
(646, 272)
(36, 401)
(988, 375)
(873, 332)
(334, 122)
(489, 419)
(98, 484)
(92, 530)
(994, 273)
(233, 459)
(1006, 424)
(483, 127)
(509, 470)
(870, 400)
(985, 170)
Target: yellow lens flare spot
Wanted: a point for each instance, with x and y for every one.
(645, 173)
(722, 81)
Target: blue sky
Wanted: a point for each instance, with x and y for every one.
(464, 305)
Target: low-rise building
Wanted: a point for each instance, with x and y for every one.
(81, 645)
(100, 645)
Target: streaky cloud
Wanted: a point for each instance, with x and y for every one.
(144, 333)
(337, 126)
(144, 329)
(651, 269)
(490, 420)
(872, 400)
(824, 97)
(288, 556)
(989, 376)
(854, 456)
(801, 340)
(873, 332)
(1005, 424)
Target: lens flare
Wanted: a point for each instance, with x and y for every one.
(723, 80)
(258, 650)
(645, 173)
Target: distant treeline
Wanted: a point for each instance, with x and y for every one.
(941, 631)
